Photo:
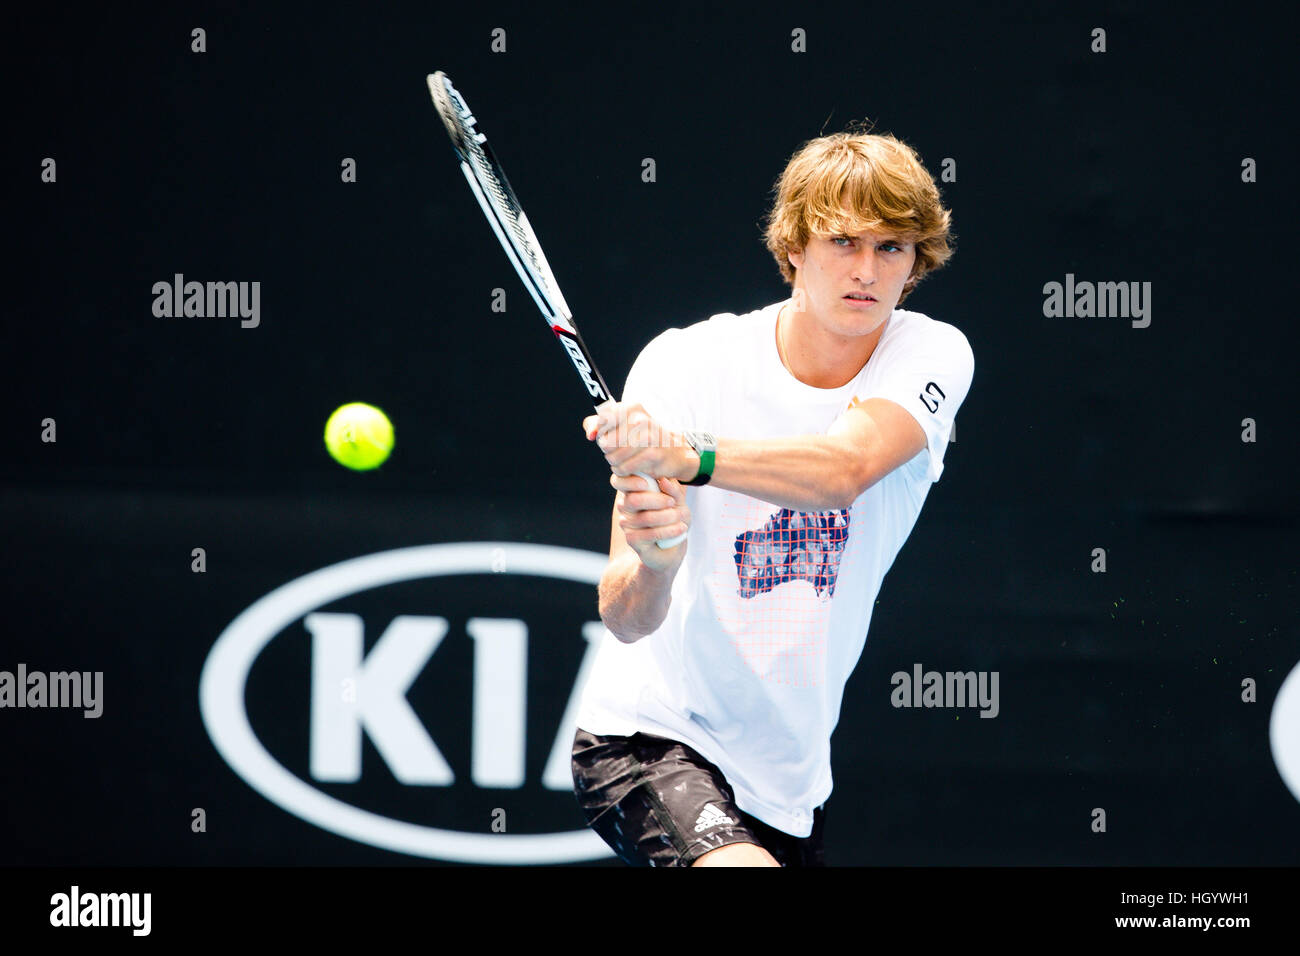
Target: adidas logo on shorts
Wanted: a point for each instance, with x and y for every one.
(712, 817)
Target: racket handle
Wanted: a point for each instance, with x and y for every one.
(671, 542)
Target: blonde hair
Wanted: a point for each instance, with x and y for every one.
(851, 182)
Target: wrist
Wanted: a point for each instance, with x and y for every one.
(690, 462)
(658, 580)
(701, 458)
(654, 584)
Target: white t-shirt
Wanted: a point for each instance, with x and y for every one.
(770, 608)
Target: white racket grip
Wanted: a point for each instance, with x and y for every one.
(670, 542)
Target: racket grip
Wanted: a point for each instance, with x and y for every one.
(670, 542)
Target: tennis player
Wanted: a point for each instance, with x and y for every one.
(797, 444)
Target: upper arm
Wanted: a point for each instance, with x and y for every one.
(911, 403)
(884, 433)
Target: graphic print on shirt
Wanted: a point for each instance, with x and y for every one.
(792, 546)
(772, 577)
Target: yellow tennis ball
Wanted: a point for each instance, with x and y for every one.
(359, 436)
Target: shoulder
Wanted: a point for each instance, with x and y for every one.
(725, 330)
(916, 330)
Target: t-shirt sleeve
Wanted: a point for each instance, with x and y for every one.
(930, 378)
(656, 381)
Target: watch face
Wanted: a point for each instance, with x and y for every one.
(701, 440)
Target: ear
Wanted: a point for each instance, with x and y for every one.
(796, 258)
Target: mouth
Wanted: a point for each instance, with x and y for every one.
(861, 297)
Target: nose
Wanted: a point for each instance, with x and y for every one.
(864, 265)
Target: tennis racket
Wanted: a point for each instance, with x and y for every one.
(487, 181)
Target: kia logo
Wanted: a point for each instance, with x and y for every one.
(1284, 731)
(373, 699)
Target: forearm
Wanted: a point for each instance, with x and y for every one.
(633, 599)
(804, 473)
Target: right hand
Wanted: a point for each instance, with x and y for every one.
(650, 516)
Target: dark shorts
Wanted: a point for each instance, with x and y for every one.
(657, 802)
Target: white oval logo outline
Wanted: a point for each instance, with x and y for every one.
(1284, 731)
(225, 676)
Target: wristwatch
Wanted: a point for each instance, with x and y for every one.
(706, 446)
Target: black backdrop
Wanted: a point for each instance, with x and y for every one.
(1120, 690)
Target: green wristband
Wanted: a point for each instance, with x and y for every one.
(706, 447)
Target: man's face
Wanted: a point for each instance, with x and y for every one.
(836, 273)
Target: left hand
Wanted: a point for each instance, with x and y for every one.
(632, 441)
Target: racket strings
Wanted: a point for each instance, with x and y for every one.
(502, 201)
(498, 200)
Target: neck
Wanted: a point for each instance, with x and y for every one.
(818, 357)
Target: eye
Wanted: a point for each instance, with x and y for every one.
(838, 240)
(892, 246)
